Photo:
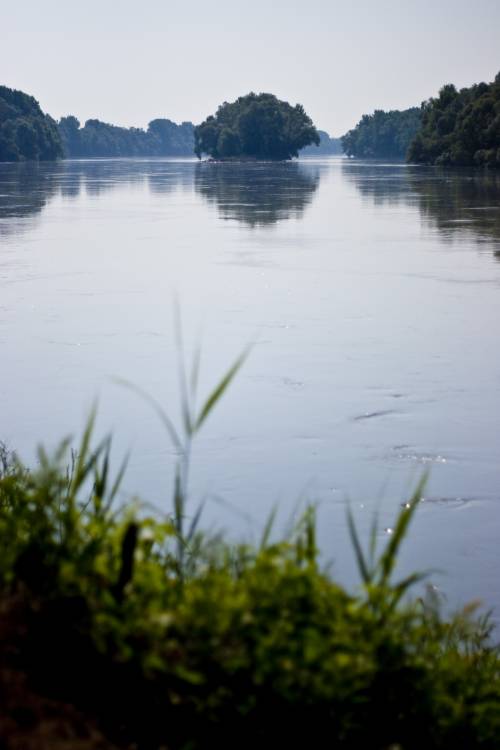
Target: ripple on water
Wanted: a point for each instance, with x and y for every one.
(375, 414)
(448, 501)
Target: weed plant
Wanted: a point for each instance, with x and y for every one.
(174, 639)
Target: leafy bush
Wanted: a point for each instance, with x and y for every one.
(177, 639)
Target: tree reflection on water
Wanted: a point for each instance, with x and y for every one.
(258, 194)
(457, 203)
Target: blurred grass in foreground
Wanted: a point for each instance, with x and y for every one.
(168, 637)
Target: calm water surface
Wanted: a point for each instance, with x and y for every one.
(371, 291)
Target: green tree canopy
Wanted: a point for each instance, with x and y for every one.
(460, 128)
(383, 135)
(256, 126)
(96, 138)
(25, 131)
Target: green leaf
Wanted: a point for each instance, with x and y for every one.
(219, 390)
(268, 528)
(365, 572)
(388, 559)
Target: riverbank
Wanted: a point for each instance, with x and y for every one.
(167, 636)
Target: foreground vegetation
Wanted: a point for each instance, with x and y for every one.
(460, 128)
(160, 636)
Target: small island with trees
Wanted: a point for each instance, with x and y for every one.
(256, 127)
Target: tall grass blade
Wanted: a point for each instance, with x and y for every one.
(399, 589)
(363, 568)
(310, 533)
(80, 469)
(388, 558)
(264, 540)
(220, 388)
(118, 479)
(101, 475)
(195, 371)
(179, 503)
(194, 522)
(373, 539)
(183, 382)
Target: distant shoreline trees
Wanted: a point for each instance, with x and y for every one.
(460, 128)
(383, 135)
(26, 133)
(457, 128)
(327, 146)
(100, 139)
(255, 126)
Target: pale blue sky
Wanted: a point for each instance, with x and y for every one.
(127, 62)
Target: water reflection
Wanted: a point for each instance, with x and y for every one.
(253, 194)
(258, 194)
(24, 191)
(462, 203)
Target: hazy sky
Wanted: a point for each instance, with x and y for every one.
(127, 62)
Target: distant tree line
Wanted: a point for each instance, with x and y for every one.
(327, 146)
(383, 135)
(460, 128)
(96, 138)
(457, 128)
(25, 131)
(255, 126)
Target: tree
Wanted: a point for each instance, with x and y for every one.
(25, 131)
(256, 126)
(383, 135)
(96, 138)
(460, 128)
(69, 128)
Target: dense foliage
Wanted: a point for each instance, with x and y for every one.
(175, 639)
(327, 146)
(256, 126)
(96, 138)
(383, 135)
(460, 128)
(25, 131)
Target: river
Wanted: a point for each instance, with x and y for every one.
(371, 295)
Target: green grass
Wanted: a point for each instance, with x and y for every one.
(173, 638)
